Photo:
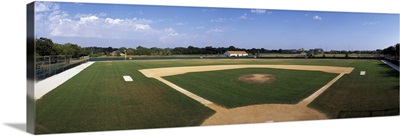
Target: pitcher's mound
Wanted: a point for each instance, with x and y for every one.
(257, 78)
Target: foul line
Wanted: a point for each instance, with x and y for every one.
(191, 95)
(158, 73)
(311, 98)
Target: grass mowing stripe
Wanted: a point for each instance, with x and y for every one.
(375, 91)
(224, 88)
(98, 99)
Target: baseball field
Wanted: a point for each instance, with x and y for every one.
(179, 93)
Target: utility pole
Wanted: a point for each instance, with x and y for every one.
(125, 54)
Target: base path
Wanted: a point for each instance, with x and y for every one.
(253, 113)
(271, 112)
(191, 95)
(311, 98)
(44, 86)
(263, 113)
(169, 71)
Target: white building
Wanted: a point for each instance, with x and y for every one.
(236, 54)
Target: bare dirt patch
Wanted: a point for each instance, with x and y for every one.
(264, 113)
(257, 78)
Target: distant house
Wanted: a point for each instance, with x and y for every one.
(236, 54)
(117, 53)
(317, 50)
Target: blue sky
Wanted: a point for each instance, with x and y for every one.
(165, 26)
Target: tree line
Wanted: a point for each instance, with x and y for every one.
(46, 47)
(391, 50)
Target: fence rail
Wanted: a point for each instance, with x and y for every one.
(47, 66)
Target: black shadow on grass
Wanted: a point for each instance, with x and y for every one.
(391, 72)
(18, 126)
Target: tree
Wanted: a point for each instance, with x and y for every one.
(168, 52)
(130, 51)
(142, 51)
(231, 48)
(71, 50)
(122, 49)
(45, 47)
(117, 53)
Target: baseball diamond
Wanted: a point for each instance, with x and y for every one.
(174, 93)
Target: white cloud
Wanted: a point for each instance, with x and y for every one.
(102, 14)
(169, 36)
(258, 11)
(180, 23)
(371, 22)
(200, 27)
(57, 15)
(59, 23)
(113, 21)
(317, 18)
(140, 27)
(219, 20)
(39, 17)
(46, 6)
(243, 16)
(215, 30)
(171, 32)
(205, 10)
(88, 19)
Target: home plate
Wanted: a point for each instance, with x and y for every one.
(128, 78)
(362, 73)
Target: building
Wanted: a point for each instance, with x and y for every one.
(236, 54)
(117, 53)
(318, 50)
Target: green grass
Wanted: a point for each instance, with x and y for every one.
(224, 87)
(98, 98)
(375, 92)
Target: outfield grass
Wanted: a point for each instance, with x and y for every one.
(98, 98)
(224, 88)
(377, 91)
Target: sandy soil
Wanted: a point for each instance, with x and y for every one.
(169, 71)
(257, 78)
(253, 113)
(270, 112)
(263, 113)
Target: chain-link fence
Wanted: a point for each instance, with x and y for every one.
(47, 66)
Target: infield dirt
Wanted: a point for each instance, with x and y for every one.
(254, 113)
(257, 78)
